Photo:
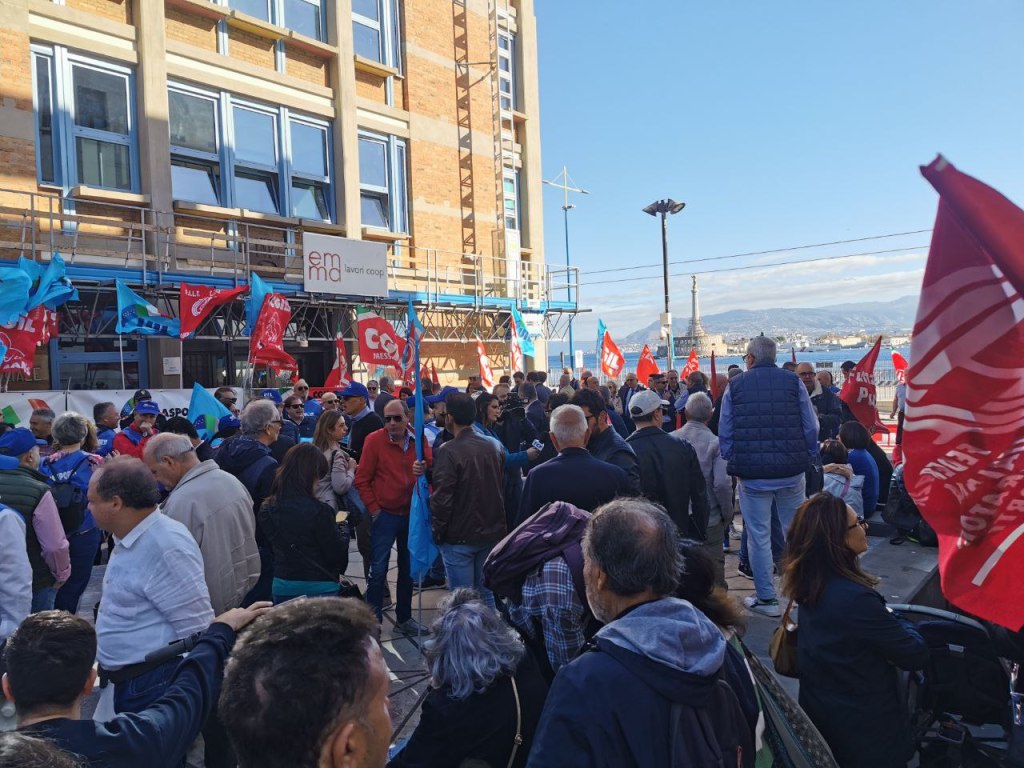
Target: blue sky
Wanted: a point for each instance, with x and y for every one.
(779, 124)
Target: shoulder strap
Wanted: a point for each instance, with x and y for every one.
(518, 740)
(846, 487)
(573, 555)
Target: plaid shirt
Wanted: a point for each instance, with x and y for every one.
(549, 597)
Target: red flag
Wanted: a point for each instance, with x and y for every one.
(379, 342)
(692, 364)
(338, 377)
(899, 362)
(267, 343)
(793, 353)
(714, 378)
(612, 359)
(646, 367)
(486, 374)
(196, 302)
(964, 429)
(515, 347)
(433, 374)
(858, 391)
(50, 327)
(21, 338)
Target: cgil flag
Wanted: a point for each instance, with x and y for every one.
(646, 366)
(859, 392)
(379, 342)
(338, 376)
(486, 374)
(197, 302)
(266, 345)
(205, 411)
(963, 436)
(136, 315)
(899, 363)
(612, 359)
(692, 364)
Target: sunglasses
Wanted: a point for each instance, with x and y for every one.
(388, 419)
(232, 401)
(301, 389)
(371, 389)
(296, 406)
(328, 402)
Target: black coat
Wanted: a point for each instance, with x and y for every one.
(670, 474)
(576, 477)
(358, 431)
(850, 647)
(307, 544)
(480, 727)
(830, 413)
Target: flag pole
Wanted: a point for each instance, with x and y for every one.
(181, 363)
(120, 347)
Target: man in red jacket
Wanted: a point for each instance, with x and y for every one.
(131, 441)
(385, 479)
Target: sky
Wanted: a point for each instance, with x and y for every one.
(779, 124)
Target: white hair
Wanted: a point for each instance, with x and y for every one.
(257, 416)
(699, 407)
(167, 444)
(569, 426)
(763, 349)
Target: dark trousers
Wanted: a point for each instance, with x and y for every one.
(263, 587)
(385, 531)
(141, 691)
(82, 549)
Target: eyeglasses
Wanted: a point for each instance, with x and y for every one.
(328, 402)
(861, 523)
(231, 401)
(295, 406)
(388, 419)
(279, 422)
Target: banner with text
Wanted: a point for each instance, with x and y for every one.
(341, 266)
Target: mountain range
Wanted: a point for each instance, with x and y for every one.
(864, 317)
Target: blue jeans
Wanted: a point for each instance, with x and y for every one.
(757, 518)
(140, 692)
(384, 532)
(465, 566)
(82, 549)
(778, 539)
(42, 600)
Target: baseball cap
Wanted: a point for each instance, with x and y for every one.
(228, 422)
(148, 408)
(142, 394)
(15, 442)
(272, 394)
(645, 403)
(440, 396)
(355, 389)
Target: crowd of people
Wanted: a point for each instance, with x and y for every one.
(582, 534)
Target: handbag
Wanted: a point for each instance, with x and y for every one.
(783, 647)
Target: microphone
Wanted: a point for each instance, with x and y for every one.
(173, 649)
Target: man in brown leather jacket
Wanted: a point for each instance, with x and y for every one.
(466, 507)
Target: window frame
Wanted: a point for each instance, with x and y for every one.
(388, 30)
(252, 168)
(511, 175)
(294, 175)
(276, 15)
(395, 194)
(212, 160)
(507, 76)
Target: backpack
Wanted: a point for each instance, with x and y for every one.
(718, 735)
(70, 498)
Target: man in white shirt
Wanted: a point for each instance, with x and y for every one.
(15, 573)
(154, 591)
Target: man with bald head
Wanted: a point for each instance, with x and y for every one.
(217, 510)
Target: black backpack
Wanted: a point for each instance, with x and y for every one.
(70, 499)
(716, 736)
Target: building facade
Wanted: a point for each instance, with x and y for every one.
(169, 141)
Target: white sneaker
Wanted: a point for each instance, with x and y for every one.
(764, 607)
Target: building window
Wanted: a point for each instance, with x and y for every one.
(246, 161)
(507, 69)
(382, 182)
(375, 31)
(510, 183)
(85, 126)
(258, 8)
(302, 16)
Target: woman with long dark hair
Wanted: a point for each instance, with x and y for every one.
(850, 643)
(341, 468)
(310, 551)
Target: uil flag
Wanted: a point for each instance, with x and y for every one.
(50, 284)
(15, 286)
(410, 354)
(267, 343)
(379, 342)
(612, 359)
(486, 374)
(338, 377)
(515, 347)
(196, 302)
(601, 331)
(963, 437)
(204, 411)
(525, 339)
(20, 340)
(899, 363)
(859, 391)
(646, 366)
(714, 378)
(692, 364)
(136, 315)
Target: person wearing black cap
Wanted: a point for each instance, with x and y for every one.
(25, 489)
(128, 411)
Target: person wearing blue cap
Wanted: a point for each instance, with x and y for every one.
(26, 490)
(131, 441)
(227, 427)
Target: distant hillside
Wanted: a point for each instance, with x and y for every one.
(883, 316)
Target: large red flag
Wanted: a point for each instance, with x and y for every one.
(338, 376)
(21, 339)
(963, 437)
(612, 358)
(518, 362)
(714, 378)
(646, 366)
(267, 343)
(196, 302)
(692, 364)
(859, 392)
(379, 342)
(486, 374)
(899, 363)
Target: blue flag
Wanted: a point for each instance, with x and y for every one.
(258, 291)
(422, 550)
(136, 315)
(601, 330)
(525, 339)
(50, 284)
(15, 285)
(204, 411)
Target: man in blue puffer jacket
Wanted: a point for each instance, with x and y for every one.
(768, 433)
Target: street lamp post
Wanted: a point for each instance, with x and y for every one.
(665, 207)
(564, 182)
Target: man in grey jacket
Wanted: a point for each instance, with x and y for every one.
(217, 510)
(696, 432)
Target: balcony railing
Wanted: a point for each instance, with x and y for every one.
(153, 243)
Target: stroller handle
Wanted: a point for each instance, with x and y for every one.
(938, 613)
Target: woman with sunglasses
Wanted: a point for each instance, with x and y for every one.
(850, 643)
